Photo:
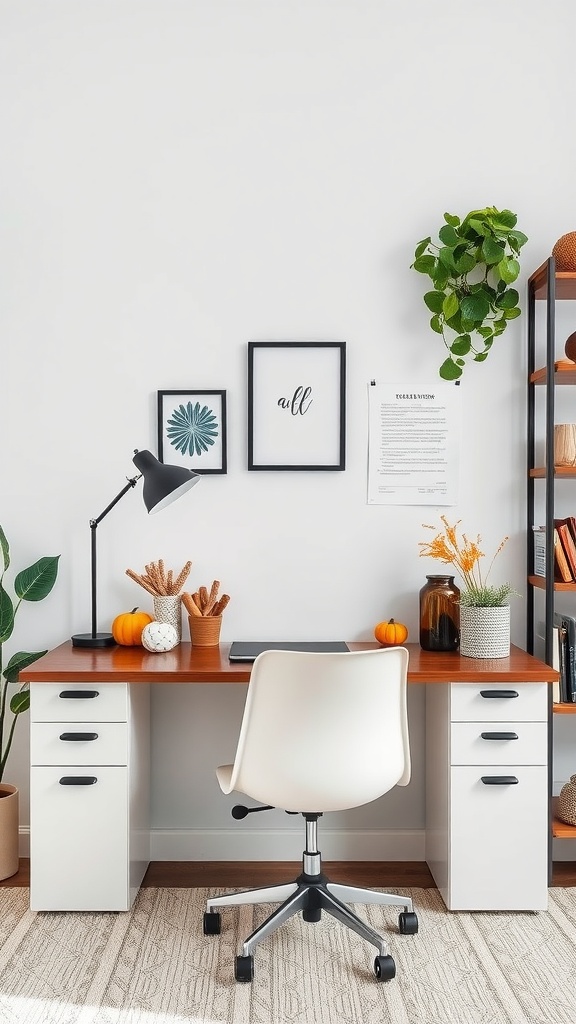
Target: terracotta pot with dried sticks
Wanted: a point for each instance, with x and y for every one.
(205, 609)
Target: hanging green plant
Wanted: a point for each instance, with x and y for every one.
(471, 268)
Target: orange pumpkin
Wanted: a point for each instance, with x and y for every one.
(391, 633)
(127, 627)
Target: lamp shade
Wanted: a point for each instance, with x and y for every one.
(162, 484)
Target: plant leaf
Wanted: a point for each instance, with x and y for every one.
(478, 227)
(492, 251)
(446, 257)
(508, 269)
(434, 301)
(450, 305)
(511, 314)
(422, 246)
(19, 661)
(475, 307)
(36, 582)
(20, 702)
(448, 236)
(450, 370)
(465, 263)
(424, 264)
(450, 218)
(507, 299)
(5, 549)
(517, 239)
(436, 324)
(461, 346)
(6, 615)
(505, 219)
(480, 357)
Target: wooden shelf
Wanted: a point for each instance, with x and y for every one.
(539, 472)
(560, 830)
(564, 709)
(564, 373)
(540, 583)
(565, 283)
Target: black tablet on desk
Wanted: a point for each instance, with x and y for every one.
(248, 650)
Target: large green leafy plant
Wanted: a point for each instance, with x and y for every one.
(32, 584)
(471, 266)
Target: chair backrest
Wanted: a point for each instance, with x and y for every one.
(324, 732)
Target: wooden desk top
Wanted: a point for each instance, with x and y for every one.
(187, 664)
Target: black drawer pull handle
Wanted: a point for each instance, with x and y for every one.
(499, 780)
(78, 694)
(499, 735)
(78, 780)
(498, 693)
(79, 736)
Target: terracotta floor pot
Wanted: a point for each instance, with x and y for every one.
(9, 820)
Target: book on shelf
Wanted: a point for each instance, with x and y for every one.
(566, 534)
(562, 568)
(566, 625)
(562, 571)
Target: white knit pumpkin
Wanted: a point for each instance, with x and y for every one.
(159, 636)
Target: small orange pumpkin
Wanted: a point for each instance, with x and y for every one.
(127, 627)
(391, 633)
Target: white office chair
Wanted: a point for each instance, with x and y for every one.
(320, 732)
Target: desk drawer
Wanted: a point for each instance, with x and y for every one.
(79, 702)
(499, 743)
(81, 743)
(499, 702)
(499, 839)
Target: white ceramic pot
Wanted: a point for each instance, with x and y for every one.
(9, 820)
(485, 632)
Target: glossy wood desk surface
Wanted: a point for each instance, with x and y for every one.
(187, 664)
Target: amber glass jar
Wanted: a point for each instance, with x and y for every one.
(439, 614)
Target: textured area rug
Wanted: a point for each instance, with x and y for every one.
(153, 965)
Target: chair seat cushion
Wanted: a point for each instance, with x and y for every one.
(224, 774)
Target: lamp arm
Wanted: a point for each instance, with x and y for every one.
(132, 481)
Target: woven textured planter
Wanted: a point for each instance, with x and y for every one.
(205, 630)
(566, 809)
(485, 632)
(169, 609)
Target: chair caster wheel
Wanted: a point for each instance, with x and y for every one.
(244, 968)
(408, 923)
(384, 968)
(212, 923)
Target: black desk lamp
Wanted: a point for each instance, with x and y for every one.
(162, 485)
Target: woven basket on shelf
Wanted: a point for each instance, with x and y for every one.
(566, 809)
(564, 252)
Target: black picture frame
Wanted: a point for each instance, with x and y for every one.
(297, 405)
(192, 430)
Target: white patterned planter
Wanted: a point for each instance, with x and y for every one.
(169, 609)
(485, 632)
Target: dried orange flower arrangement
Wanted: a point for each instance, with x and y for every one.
(465, 555)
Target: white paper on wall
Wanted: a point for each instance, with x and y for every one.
(413, 444)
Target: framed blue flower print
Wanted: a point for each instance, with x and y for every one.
(192, 430)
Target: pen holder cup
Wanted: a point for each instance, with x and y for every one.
(205, 630)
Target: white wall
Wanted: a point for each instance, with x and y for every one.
(179, 178)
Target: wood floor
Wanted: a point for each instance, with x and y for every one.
(244, 874)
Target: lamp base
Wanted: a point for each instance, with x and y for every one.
(98, 640)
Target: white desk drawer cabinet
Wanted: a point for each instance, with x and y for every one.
(89, 795)
(487, 795)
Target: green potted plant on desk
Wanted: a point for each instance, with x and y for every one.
(484, 607)
(471, 266)
(31, 584)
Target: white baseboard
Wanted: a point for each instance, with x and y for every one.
(270, 845)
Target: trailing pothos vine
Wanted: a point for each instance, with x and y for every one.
(471, 266)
